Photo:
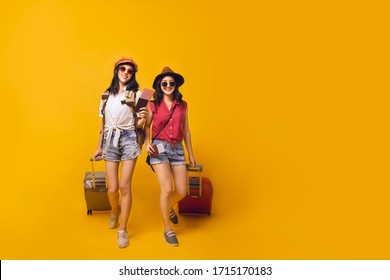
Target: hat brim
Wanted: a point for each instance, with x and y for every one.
(125, 60)
(177, 77)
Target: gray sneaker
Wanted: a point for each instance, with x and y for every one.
(123, 239)
(114, 218)
(170, 238)
(173, 217)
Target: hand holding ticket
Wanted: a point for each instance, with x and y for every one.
(144, 98)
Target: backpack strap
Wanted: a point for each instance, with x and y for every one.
(139, 131)
(105, 96)
(129, 98)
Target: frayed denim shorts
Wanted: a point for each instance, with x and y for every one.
(174, 154)
(126, 149)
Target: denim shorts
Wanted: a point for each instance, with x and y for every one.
(174, 154)
(127, 148)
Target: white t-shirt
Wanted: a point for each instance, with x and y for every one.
(118, 116)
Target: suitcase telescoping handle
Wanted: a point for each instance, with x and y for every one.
(196, 168)
(92, 159)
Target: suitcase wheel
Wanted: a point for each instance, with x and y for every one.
(89, 212)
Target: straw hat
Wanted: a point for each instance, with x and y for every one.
(127, 60)
(168, 72)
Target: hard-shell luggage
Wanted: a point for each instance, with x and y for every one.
(199, 193)
(95, 190)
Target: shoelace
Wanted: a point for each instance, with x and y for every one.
(113, 216)
(171, 233)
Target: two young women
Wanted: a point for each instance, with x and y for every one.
(118, 143)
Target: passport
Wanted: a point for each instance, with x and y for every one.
(144, 98)
(158, 149)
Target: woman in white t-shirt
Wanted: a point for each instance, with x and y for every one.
(118, 142)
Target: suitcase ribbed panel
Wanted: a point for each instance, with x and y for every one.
(201, 205)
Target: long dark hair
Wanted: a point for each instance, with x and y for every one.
(130, 85)
(159, 94)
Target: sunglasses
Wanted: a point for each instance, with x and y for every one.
(172, 84)
(129, 70)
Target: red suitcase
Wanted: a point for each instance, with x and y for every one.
(95, 191)
(199, 193)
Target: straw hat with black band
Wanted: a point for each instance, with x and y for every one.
(168, 72)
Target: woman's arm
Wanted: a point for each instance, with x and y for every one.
(187, 139)
(142, 116)
(148, 123)
(99, 146)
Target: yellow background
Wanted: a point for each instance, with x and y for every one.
(288, 105)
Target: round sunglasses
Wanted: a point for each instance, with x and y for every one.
(172, 84)
(129, 70)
